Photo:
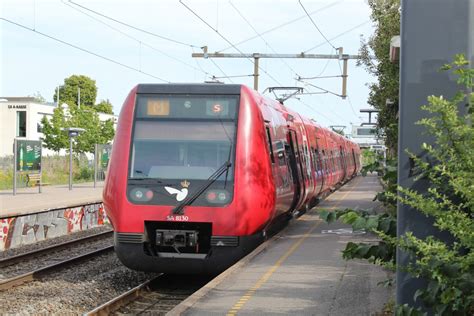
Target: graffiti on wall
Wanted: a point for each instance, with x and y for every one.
(27, 229)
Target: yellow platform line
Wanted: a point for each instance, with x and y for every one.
(248, 295)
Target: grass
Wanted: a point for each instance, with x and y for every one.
(55, 170)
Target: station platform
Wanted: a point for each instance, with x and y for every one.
(300, 271)
(28, 200)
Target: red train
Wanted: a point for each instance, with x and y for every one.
(199, 173)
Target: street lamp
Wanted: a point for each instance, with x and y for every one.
(72, 132)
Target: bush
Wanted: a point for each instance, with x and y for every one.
(448, 166)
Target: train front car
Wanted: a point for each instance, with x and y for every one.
(188, 189)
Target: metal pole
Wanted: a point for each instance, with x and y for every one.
(70, 163)
(41, 167)
(95, 165)
(255, 73)
(344, 79)
(15, 146)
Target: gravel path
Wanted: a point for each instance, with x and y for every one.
(73, 290)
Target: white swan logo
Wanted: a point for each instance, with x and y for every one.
(180, 194)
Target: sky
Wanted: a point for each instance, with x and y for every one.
(118, 57)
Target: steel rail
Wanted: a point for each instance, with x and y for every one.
(15, 259)
(119, 301)
(36, 274)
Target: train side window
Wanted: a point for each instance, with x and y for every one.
(317, 160)
(333, 163)
(280, 151)
(324, 161)
(269, 139)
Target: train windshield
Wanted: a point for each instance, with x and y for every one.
(183, 137)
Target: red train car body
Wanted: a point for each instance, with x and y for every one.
(200, 172)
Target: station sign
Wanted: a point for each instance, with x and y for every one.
(17, 106)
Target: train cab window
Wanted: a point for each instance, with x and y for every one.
(270, 146)
(182, 137)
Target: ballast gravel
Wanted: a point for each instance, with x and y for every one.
(74, 290)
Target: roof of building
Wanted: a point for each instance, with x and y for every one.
(25, 100)
(18, 99)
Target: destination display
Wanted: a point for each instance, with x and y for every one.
(190, 107)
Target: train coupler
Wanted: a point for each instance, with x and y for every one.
(176, 238)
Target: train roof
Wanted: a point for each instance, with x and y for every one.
(191, 88)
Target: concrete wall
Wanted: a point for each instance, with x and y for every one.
(28, 229)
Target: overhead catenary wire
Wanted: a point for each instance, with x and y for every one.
(263, 39)
(319, 77)
(280, 26)
(329, 42)
(268, 45)
(337, 36)
(235, 76)
(220, 69)
(135, 27)
(320, 88)
(316, 111)
(83, 49)
(225, 39)
(315, 25)
(197, 63)
(139, 41)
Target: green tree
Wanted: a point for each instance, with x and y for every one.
(96, 132)
(104, 107)
(54, 138)
(383, 94)
(68, 92)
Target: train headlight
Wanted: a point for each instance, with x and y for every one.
(141, 194)
(218, 196)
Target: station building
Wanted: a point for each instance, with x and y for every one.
(20, 117)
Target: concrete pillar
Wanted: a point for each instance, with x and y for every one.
(432, 32)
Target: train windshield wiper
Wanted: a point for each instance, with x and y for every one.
(178, 209)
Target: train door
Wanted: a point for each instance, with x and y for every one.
(293, 154)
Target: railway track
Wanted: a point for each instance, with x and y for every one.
(155, 297)
(5, 262)
(39, 272)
